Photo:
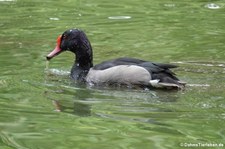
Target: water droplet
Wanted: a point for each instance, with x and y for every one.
(47, 65)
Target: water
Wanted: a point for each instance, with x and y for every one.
(42, 108)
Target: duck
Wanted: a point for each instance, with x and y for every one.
(121, 71)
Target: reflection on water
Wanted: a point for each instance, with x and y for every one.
(43, 108)
(78, 108)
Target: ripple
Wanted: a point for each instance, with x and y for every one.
(207, 64)
(198, 85)
(119, 17)
(57, 72)
(3, 83)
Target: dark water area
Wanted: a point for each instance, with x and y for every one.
(43, 109)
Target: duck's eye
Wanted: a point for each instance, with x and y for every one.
(64, 37)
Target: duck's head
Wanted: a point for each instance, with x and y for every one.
(73, 40)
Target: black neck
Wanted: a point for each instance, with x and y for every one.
(83, 61)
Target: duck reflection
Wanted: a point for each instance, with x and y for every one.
(77, 103)
(75, 107)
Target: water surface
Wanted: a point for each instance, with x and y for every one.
(186, 33)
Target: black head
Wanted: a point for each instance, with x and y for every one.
(73, 40)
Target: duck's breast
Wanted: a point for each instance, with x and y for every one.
(122, 74)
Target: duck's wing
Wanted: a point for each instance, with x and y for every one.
(118, 61)
(150, 66)
(155, 69)
(158, 71)
(161, 72)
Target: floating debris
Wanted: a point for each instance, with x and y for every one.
(55, 19)
(119, 17)
(212, 6)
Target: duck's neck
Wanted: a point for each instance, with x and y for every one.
(83, 61)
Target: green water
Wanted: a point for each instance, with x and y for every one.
(185, 33)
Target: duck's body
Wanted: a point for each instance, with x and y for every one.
(120, 74)
(125, 71)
